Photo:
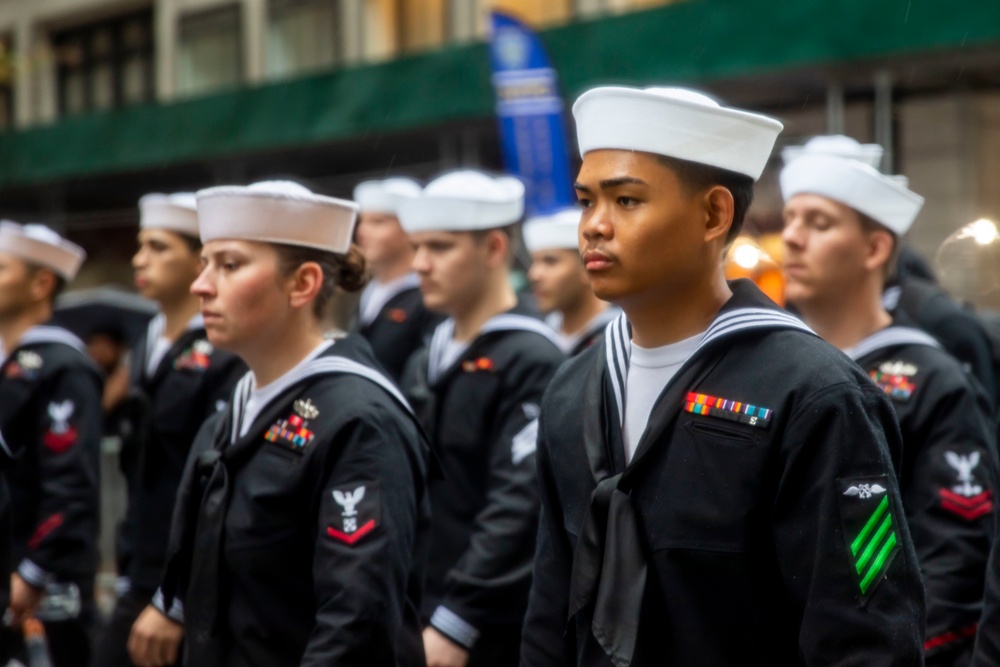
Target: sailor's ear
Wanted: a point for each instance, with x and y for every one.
(305, 284)
(719, 207)
(881, 245)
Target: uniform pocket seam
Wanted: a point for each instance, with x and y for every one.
(730, 434)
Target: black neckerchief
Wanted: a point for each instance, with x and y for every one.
(609, 565)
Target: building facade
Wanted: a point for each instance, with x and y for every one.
(104, 100)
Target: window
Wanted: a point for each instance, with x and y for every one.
(209, 51)
(422, 23)
(301, 36)
(105, 65)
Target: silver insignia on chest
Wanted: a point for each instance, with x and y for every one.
(305, 409)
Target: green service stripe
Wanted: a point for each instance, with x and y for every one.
(879, 563)
(873, 543)
(872, 522)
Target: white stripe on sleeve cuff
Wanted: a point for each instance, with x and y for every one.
(176, 612)
(34, 575)
(451, 624)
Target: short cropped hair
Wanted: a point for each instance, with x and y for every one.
(695, 177)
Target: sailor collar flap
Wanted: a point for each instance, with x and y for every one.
(328, 363)
(892, 336)
(45, 334)
(27, 364)
(438, 364)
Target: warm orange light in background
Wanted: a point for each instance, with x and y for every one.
(748, 259)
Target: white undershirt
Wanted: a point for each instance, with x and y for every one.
(453, 349)
(377, 294)
(158, 345)
(649, 372)
(262, 396)
(157, 351)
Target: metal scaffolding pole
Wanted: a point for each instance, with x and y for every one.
(883, 119)
(834, 108)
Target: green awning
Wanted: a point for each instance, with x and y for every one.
(697, 40)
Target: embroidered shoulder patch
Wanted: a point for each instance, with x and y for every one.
(966, 496)
(61, 434)
(355, 512)
(899, 387)
(737, 411)
(869, 526)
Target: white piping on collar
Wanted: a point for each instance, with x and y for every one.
(890, 337)
(618, 340)
(320, 366)
(445, 331)
(49, 334)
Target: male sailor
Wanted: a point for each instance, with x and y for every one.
(843, 222)
(915, 296)
(179, 379)
(476, 388)
(712, 471)
(391, 317)
(560, 283)
(50, 418)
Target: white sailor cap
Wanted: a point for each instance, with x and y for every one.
(175, 212)
(385, 196)
(836, 145)
(555, 231)
(39, 245)
(279, 212)
(854, 184)
(677, 123)
(463, 201)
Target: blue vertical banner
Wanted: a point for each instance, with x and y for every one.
(530, 110)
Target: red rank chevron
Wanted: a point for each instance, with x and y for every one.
(970, 508)
(351, 538)
(60, 442)
(44, 529)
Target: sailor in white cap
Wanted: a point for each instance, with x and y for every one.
(391, 316)
(477, 388)
(560, 283)
(836, 145)
(177, 380)
(51, 419)
(911, 290)
(843, 225)
(697, 466)
(295, 537)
